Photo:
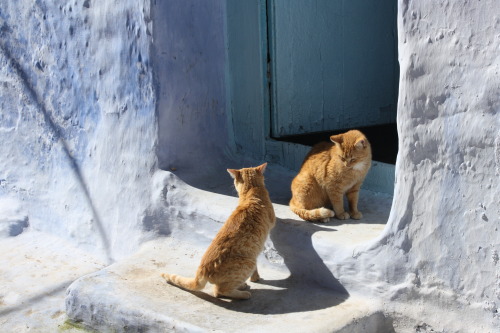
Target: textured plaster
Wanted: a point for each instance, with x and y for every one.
(79, 128)
(77, 110)
(438, 256)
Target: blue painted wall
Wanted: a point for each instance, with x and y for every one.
(77, 119)
(190, 72)
(210, 65)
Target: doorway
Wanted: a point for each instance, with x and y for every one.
(332, 67)
(299, 70)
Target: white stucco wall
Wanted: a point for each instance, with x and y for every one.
(78, 132)
(77, 119)
(439, 255)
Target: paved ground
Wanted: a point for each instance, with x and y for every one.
(35, 271)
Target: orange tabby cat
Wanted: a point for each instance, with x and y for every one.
(231, 258)
(330, 170)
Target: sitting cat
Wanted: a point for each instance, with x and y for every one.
(330, 170)
(231, 258)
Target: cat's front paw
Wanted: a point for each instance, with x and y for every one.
(342, 216)
(244, 295)
(356, 215)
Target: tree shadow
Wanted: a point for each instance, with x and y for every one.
(49, 292)
(310, 285)
(57, 132)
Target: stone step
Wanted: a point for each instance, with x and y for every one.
(298, 291)
(131, 296)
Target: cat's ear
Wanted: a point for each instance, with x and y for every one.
(361, 144)
(261, 168)
(337, 139)
(233, 173)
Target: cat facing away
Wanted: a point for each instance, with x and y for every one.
(329, 171)
(231, 258)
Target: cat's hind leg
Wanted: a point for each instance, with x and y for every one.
(254, 278)
(237, 271)
(308, 200)
(231, 290)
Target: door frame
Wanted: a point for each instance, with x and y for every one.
(247, 53)
(249, 95)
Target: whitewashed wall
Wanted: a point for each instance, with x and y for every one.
(439, 255)
(78, 134)
(77, 118)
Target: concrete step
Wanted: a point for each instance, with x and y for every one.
(298, 292)
(131, 296)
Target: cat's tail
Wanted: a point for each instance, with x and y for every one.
(196, 283)
(318, 214)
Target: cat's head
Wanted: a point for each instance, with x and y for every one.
(248, 177)
(351, 147)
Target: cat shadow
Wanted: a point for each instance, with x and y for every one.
(337, 223)
(293, 241)
(310, 285)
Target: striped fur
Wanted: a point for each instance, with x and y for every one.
(330, 171)
(231, 258)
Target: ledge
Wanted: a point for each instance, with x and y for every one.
(298, 291)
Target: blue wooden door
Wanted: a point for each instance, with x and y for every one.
(333, 64)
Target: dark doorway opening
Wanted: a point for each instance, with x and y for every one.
(333, 67)
(383, 139)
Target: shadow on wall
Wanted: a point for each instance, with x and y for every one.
(58, 136)
(189, 59)
(310, 281)
(215, 178)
